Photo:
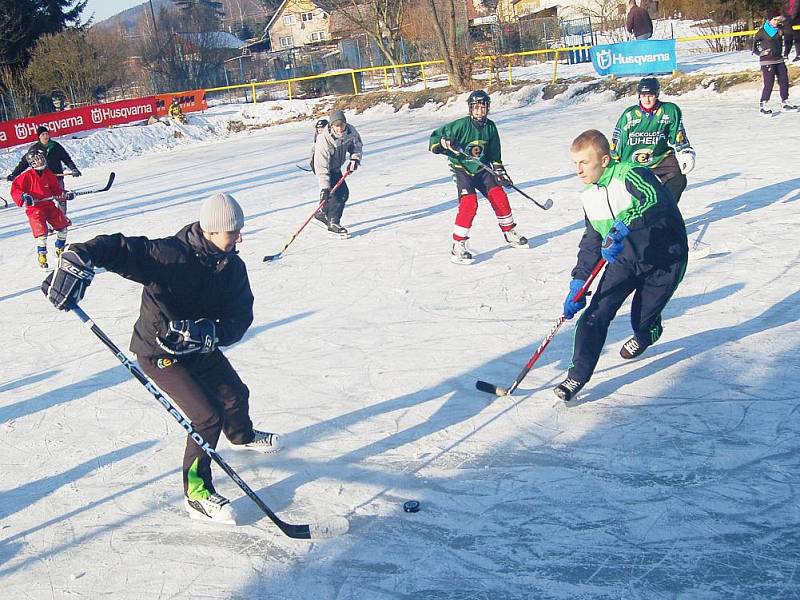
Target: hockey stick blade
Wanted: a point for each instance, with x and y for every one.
(490, 388)
(107, 187)
(548, 204)
(271, 257)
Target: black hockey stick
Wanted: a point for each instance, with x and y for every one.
(5, 202)
(271, 257)
(107, 187)
(306, 169)
(332, 526)
(548, 204)
(485, 386)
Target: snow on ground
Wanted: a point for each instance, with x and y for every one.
(675, 477)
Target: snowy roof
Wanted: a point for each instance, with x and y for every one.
(219, 39)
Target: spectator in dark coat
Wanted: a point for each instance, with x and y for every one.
(791, 11)
(639, 23)
(56, 155)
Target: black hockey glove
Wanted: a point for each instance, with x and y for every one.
(502, 177)
(450, 145)
(187, 337)
(10, 177)
(66, 196)
(354, 164)
(66, 286)
(76, 172)
(27, 199)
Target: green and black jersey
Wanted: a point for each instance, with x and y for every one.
(634, 195)
(479, 142)
(650, 139)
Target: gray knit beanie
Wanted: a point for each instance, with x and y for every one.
(221, 212)
(337, 116)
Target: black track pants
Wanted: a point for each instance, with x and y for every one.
(651, 292)
(212, 396)
(334, 207)
(676, 185)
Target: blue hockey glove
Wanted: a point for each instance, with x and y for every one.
(614, 242)
(572, 308)
(27, 199)
(187, 337)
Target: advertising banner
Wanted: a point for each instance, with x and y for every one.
(21, 131)
(639, 57)
(190, 101)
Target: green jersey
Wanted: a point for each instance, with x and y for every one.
(479, 142)
(648, 139)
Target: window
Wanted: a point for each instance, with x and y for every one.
(288, 19)
(287, 42)
(316, 36)
(307, 16)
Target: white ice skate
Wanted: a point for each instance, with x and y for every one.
(214, 509)
(460, 255)
(764, 110)
(264, 442)
(515, 240)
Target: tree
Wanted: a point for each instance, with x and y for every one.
(382, 20)
(452, 41)
(82, 65)
(22, 22)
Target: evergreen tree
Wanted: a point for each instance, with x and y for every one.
(22, 22)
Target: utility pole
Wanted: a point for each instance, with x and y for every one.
(153, 16)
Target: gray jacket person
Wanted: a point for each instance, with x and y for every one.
(331, 150)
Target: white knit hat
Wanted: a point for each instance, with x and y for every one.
(221, 212)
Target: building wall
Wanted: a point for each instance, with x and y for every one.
(291, 30)
(567, 9)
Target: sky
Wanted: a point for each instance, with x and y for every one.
(103, 9)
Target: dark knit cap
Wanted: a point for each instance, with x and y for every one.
(41, 129)
(337, 116)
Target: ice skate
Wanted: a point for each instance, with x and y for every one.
(42, 258)
(460, 255)
(633, 347)
(214, 509)
(515, 240)
(786, 105)
(337, 231)
(568, 389)
(764, 111)
(264, 442)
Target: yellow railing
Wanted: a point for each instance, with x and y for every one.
(424, 65)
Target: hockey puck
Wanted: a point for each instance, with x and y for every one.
(411, 506)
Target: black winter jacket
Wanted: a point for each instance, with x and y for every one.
(184, 277)
(769, 48)
(56, 155)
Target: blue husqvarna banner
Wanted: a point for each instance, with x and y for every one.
(639, 57)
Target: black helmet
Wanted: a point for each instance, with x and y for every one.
(36, 158)
(321, 123)
(479, 97)
(648, 85)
